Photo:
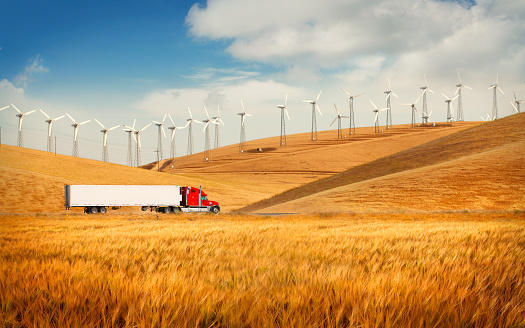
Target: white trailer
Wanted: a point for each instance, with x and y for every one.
(165, 198)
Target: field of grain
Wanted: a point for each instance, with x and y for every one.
(195, 270)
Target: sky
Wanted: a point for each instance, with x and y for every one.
(118, 61)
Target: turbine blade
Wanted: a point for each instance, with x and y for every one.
(455, 97)
(197, 122)
(319, 95)
(318, 109)
(113, 128)
(34, 110)
(100, 124)
(417, 99)
(50, 128)
(50, 118)
(372, 104)
(187, 123)
(360, 94)
(76, 133)
(501, 90)
(171, 120)
(395, 95)
(445, 96)
(163, 133)
(144, 128)
(84, 122)
(105, 138)
(164, 118)
(242, 104)
(345, 91)
(205, 126)
(286, 111)
(337, 110)
(389, 86)
(430, 90)
(71, 118)
(459, 77)
(189, 110)
(466, 86)
(19, 112)
(335, 119)
(221, 121)
(425, 76)
(58, 118)
(134, 121)
(285, 100)
(457, 90)
(1, 109)
(207, 115)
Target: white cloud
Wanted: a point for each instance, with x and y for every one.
(28, 74)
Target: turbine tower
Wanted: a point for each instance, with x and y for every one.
(516, 104)
(460, 116)
(313, 136)
(282, 140)
(242, 142)
(424, 112)
(217, 133)
(414, 110)
(20, 115)
(159, 137)
(191, 148)
(495, 115)
(206, 130)
(338, 118)
(49, 122)
(129, 132)
(376, 121)
(137, 141)
(105, 153)
(76, 125)
(450, 117)
(173, 149)
(351, 110)
(388, 106)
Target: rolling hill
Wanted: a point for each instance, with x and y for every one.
(32, 181)
(480, 168)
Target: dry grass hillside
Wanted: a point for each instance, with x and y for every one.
(476, 169)
(32, 181)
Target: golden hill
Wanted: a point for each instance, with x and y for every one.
(32, 181)
(480, 168)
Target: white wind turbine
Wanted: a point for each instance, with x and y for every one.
(282, 140)
(206, 130)
(76, 125)
(516, 104)
(315, 106)
(376, 121)
(495, 115)
(338, 118)
(130, 146)
(173, 150)
(20, 115)
(159, 137)
(191, 148)
(450, 116)
(389, 93)
(459, 86)
(242, 142)
(105, 153)
(414, 110)
(137, 141)
(49, 122)
(351, 110)
(217, 134)
(424, 112)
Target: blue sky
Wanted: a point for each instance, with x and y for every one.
(121, 60)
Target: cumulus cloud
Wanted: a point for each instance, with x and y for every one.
(27, 76)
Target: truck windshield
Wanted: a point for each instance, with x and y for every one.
(204, 198)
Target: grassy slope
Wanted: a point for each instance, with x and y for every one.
(468, 142)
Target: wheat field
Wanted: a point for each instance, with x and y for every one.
(323, 270)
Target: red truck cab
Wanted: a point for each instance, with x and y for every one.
(191, 196)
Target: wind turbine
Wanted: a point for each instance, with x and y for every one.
(242, 143)
(450, 117)
(495, 99)
(217, 135)
(173, 150)
(191, 148)
(159, 137)
(351, 110)
(516, 104)
(389, 92)
(338, 118)
(137, 141)
(105, 153)
(50, 130)
(424, 112)
(206, 130)
(414, 110)
(315, 106)
(76, 125)
(460, 101)
(129, 132)
(282, 141)
(20, 115)
(376, 121)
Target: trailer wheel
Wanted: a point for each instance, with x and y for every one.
(166, 210)
(215, 210)
(102, 210)
(144, 208)
(93, 210)
(176, 210)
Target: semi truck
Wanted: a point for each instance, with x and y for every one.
(160, 198)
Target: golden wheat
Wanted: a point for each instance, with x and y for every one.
(362, 270)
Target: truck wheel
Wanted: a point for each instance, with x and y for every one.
(176, 210)
(102, 210)
(166, 210)
(144, 208)
(93, 210)
(215, 210)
